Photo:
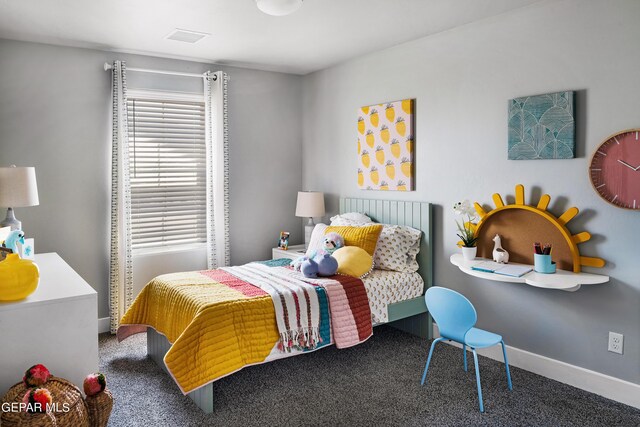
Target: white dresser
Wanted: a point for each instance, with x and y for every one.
(57, 326)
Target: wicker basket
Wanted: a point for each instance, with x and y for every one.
(19, 419)
(64, 395)
(24, 419)
(100, 406)
(63, 392)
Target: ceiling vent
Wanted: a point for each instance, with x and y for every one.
(186, 36)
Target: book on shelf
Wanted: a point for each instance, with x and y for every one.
(504, 269)
(487, 266)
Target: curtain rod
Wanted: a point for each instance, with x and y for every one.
(108, 66)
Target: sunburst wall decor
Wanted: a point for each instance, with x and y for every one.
(520, 225)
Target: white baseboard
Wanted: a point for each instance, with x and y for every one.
(104, 324)
(594, 382)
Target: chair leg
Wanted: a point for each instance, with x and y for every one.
(506, 365)
(426, 367)
(475, 361)
(464, 356)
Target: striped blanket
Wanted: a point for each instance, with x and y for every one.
(218, 323)
(297, 309)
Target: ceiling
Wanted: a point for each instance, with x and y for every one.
(320, 34)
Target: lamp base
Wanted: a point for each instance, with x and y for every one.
(11, 221)
(308, 230)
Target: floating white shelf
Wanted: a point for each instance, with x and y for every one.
(561, 279)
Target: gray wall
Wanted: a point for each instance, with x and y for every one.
(54, 115)
(462, 80)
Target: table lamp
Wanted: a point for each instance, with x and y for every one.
(310, 205)
(18, 189)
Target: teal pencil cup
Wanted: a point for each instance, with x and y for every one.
(543, 264)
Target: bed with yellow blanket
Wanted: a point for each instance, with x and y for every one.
(204, 325)
(219, 321)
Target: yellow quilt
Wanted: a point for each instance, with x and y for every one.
(216, 323)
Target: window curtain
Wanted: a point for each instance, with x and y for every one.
(217, 139)
(120, 273)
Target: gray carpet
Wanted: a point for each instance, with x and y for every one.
(374, 384)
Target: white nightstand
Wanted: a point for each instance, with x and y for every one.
(57, 326)
(293, 252)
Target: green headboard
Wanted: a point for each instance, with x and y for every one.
(414, 214)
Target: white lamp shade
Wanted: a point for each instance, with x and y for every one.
(278, 7)
(310, 204)
(18, 187)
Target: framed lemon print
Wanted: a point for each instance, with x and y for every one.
(386, 146)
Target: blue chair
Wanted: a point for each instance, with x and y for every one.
(456, 318)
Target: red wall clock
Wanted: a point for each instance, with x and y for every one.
(615, 169)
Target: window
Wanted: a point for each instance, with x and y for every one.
(167, 167)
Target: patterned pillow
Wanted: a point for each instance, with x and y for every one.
(397, 247)
(365, 237)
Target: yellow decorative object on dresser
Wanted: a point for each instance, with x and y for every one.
(18, 278)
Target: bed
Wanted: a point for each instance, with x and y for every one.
(403, 307)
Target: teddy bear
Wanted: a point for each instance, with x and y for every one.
(319, 266)
(321, 263)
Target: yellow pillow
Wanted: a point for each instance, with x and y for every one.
(362, 237)
(353, 261)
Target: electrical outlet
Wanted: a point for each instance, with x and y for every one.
(615, 342)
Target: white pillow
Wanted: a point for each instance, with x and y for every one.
(352, 216)
(317, 238)
(397, 247)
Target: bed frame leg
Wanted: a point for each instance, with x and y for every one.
(157, 347)
(419, 325)
(203, 398)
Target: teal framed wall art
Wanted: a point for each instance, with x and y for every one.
(542, 127)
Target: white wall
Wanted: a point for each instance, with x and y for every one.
(54, 115)
(462, 80)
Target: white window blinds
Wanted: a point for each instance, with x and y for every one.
(167, 166)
